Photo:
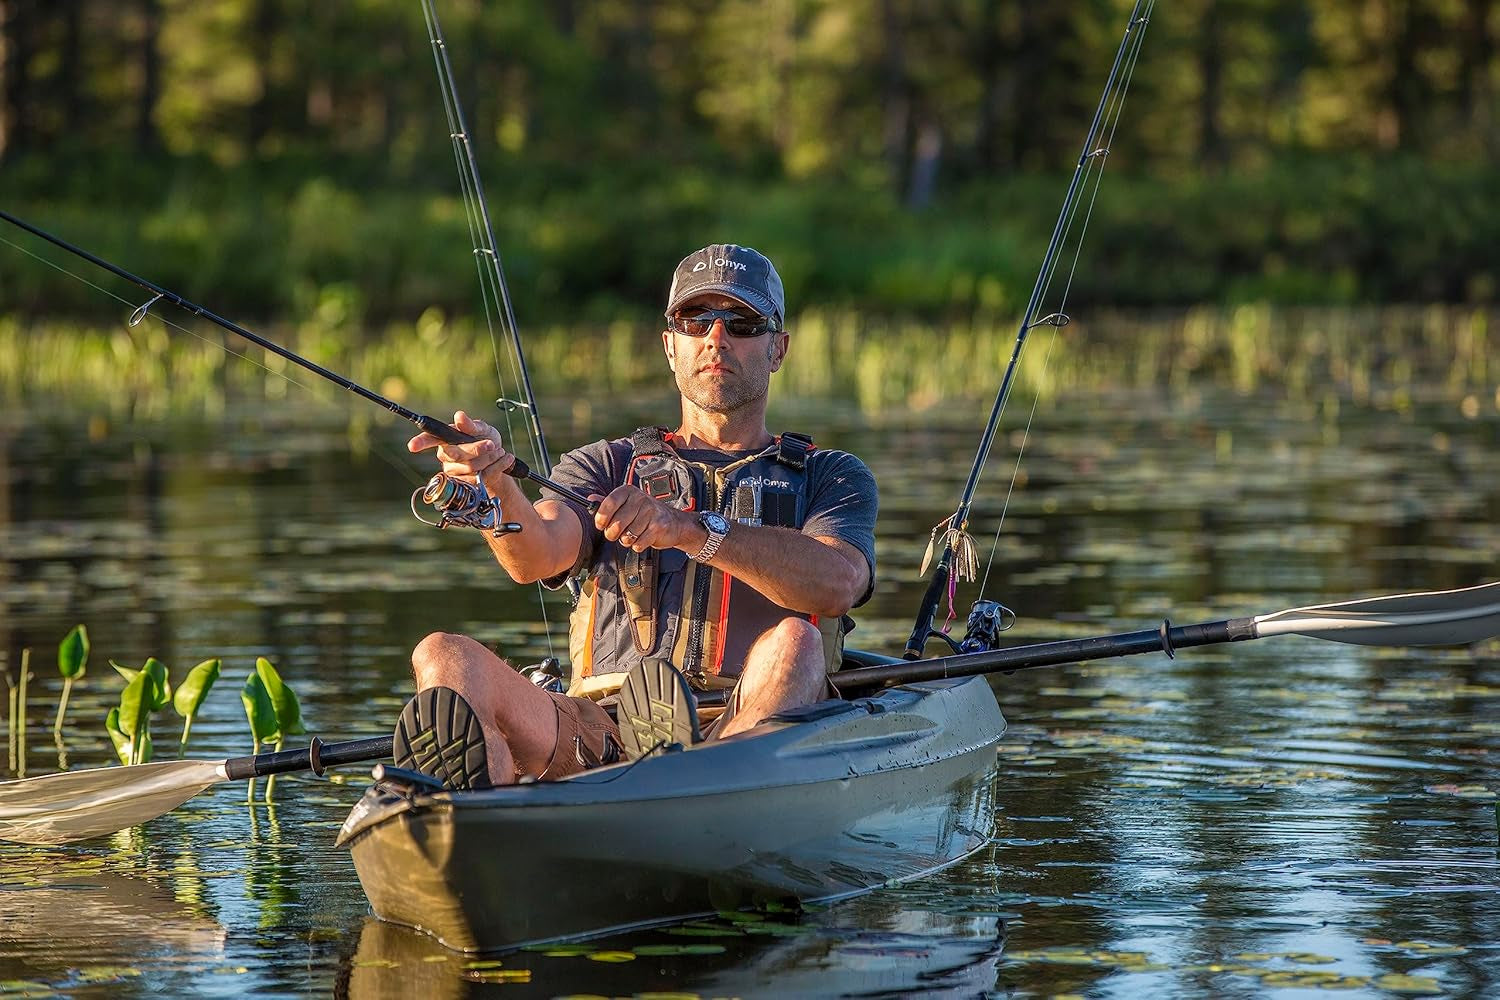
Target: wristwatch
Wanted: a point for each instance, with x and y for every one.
(717, 526)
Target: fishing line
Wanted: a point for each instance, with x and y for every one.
(1112, 117)
(147, 314)
(143, 312)
(957, 562)
(494, 292)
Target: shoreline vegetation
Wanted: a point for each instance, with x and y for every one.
(262, 241)
(1365, 356)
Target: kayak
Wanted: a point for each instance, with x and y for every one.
(819, 803)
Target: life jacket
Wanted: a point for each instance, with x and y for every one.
(660, 603)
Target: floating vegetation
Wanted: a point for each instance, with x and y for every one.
(663, 950)
(1481, 793)
(499, 975)
(1262, 966)
(1417, 949)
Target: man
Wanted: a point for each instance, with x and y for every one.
(728, 552)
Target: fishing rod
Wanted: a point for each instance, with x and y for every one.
(957, 546)
(495, 291)
(444, 432)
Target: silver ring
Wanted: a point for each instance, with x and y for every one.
(627, 538)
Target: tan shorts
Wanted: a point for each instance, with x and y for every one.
(586, 737)
(716, 724)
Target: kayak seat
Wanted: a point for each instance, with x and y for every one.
(656, 707)
(438, 734)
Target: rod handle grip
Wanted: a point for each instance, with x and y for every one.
(446, 433)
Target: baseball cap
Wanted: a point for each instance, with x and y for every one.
(732, 270)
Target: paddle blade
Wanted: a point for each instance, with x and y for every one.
(1436, 618)
(75, 805)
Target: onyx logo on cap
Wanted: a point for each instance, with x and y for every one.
(736, 271)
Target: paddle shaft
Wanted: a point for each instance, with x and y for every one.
(315, 758)
(444, 432)
(1167, 639)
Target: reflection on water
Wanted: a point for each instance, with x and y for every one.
(886, 944)
(1277, 816)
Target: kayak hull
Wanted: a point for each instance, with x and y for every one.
(829, 801)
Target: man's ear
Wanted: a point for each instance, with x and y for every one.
(776, 353)
(666, 346)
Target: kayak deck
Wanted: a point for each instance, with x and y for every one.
(828, 801)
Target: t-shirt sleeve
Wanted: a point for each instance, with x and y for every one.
(587, 470)
(842, 503)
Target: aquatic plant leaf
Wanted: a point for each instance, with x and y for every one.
(118, 738)
(288, 711)
(73, 653)
(258, 709)
(161, 690)
(136, 703)
(612, 956)
(654, 950)
(499, 975)
(1422, 986)
(188, 697)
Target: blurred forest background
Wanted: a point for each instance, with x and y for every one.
(894, 156)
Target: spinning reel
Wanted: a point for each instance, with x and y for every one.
(987, 619)
(461, 503)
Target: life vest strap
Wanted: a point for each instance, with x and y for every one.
(793, 448)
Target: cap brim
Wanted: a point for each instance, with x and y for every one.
(760, 303)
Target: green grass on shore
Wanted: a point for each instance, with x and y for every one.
(153, 373)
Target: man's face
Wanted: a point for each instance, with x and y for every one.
(718, 372)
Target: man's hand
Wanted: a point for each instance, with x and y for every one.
(468, 461)
(638, 522)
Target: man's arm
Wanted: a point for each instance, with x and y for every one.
(811, 571)
(550, 534)
(813, 574)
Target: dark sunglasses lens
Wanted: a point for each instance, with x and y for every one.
(735, 324)
(746, 326)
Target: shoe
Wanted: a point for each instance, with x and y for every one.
(656, 707)
(438, 734)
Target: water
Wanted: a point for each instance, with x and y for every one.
(1267, 819)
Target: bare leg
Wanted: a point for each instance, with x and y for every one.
(784, 669)
(518, 718)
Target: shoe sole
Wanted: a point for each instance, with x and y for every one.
(656, 706)
(439, 734)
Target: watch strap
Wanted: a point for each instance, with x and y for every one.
(711, 546)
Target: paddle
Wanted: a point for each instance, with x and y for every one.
(74, 805)
(1436, 618)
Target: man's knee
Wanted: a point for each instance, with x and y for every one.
(791, 645)
(444, 658)
(801, 633)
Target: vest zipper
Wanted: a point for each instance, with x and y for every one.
(702, 580)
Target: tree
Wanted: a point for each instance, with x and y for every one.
(147, 136)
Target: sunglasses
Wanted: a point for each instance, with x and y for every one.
(736, 323)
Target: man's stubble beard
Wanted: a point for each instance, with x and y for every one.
(725, 397)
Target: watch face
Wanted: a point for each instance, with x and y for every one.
(715, 523)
